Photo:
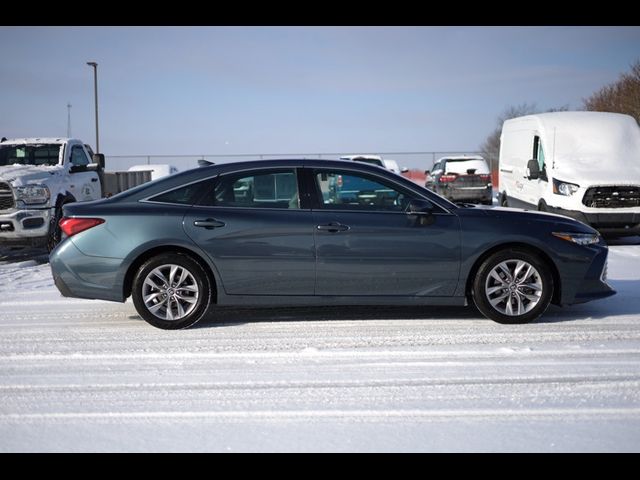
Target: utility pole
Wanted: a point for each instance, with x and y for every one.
(68, 120)
(95, 96)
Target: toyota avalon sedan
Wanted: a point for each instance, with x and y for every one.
(318, 232)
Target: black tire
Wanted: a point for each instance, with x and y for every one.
(55, 233)
(503, 200)
(199, 279)
(518, 295)
(542, 206)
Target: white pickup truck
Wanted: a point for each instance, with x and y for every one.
(39, 175)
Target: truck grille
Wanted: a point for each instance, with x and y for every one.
(6, 196)
(612, 197)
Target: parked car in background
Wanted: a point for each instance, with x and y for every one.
(461, 179)
(585, 165)
(157, 170)
(185, 243)
(370, 159)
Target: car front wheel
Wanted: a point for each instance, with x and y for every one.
(513, 286)
(172, 291)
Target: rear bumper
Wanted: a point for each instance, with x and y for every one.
(606, 223)
(82, 276)
(470, 194)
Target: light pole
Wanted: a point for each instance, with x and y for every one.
(95, 94)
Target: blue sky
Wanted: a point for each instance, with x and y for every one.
(221, 90)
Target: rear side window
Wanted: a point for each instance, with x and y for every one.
(277, 188)
(187, 195)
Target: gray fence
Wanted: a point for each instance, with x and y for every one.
(412, 160)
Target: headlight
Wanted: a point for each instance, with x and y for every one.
(579, 238)
(564, 188)
(33, 194)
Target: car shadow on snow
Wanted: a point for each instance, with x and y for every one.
(232, 315)
(626, 302)
(22, 254)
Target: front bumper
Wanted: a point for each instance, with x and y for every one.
(593, 285)
(621, 224)
(29, 226)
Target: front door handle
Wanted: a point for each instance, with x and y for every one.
(209, 223)
(333, 227)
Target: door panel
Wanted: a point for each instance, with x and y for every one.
(387, 254)
(258, 252)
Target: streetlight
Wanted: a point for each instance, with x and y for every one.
(95, 94)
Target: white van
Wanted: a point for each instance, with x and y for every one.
(585, 165)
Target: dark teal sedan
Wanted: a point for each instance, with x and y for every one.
(318, 232)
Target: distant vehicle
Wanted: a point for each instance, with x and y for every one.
(461, 179)
(157, 171)
(391, 165)
(184, 244)
(40, 175)
(370, 159)
(585, 165)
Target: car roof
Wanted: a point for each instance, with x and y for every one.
(460, 158)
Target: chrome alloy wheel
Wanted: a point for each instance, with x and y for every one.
(170, 292)
(513, 287)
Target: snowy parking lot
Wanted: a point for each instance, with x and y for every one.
(80, 375)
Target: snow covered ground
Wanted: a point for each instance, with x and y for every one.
(92, 376)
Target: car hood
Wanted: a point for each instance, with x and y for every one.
(19, 175)
(521, 216)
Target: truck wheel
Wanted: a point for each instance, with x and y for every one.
(55, 233)
(172, 291)
(513, 286)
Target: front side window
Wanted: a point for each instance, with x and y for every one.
(345, 190)
(259, 189)
(538, 152)
(78, 157)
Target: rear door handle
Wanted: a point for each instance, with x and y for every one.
(333, 227)
(208, 223)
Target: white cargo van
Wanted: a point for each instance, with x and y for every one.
(585, 165)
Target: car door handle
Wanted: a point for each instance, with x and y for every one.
(209, 223)
(333, 227)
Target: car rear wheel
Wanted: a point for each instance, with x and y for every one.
(513, 286)
(172, 291)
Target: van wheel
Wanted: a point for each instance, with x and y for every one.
(542, 206)
(172, 291)
(503, 200)
(513, 286)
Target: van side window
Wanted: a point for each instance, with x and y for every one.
(538, 154)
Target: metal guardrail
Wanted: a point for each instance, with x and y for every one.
(413, 160)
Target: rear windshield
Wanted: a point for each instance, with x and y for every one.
(463, 166)
(43, 154)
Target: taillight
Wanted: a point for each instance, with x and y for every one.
(485, 178)
(449, 177)
(72, 226)
(339, 181)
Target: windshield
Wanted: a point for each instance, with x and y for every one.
(43, 154)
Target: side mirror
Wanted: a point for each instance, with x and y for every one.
(93, 167)
(533, 170)
(419, 206)
(99, 159)
(78, 168)
(404, 169)
(427, 172)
